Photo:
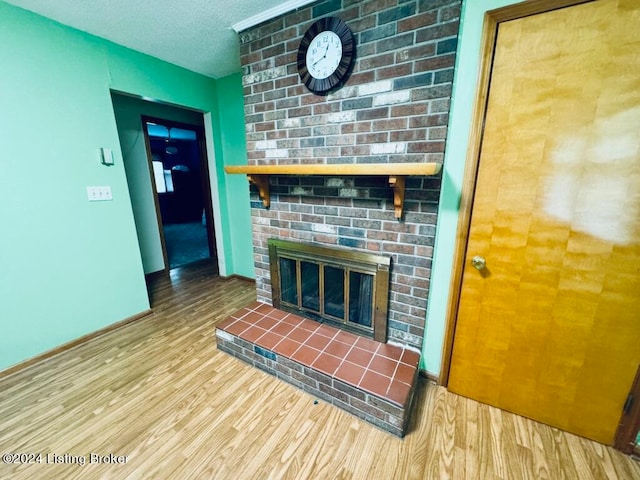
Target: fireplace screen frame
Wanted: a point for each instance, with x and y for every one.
(363, 263)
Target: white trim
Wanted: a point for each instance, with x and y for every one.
(215, 195)
(269, 14)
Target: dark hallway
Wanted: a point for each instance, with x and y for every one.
(178, 175)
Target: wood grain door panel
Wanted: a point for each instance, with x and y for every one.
(550, 329)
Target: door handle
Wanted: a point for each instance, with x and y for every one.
(478, 262)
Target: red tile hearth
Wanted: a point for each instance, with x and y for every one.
(372, 380)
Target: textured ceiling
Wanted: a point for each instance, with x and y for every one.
(194, 34)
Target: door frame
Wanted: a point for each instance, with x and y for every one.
(625, 439)
(205, 183)
(630, 420)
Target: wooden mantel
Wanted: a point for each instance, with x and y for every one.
(397, 172)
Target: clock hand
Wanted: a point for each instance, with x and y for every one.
(321, 58)
(317, 62)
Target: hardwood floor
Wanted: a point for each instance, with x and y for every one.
(159, 393)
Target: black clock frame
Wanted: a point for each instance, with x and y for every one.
(340, 76)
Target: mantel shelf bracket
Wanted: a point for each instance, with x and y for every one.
(262, 182)
(397, 182)
(396, 172)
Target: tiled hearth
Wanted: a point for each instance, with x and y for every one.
(374, 381)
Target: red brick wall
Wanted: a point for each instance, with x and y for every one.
(393, 108)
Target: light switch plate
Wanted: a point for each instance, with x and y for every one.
(106, 156)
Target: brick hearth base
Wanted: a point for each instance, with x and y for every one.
(373, 381)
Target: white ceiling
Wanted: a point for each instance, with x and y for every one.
(194, 34)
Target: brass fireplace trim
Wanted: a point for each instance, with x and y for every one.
(363, 262)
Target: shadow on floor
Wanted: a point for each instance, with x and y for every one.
(186, 243)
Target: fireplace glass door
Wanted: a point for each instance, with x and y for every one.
(330, 287)
(334, 299)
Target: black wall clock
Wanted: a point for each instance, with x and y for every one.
(326, 55)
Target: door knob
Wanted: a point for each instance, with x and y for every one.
(478, 262)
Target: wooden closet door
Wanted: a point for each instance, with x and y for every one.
(550, 328)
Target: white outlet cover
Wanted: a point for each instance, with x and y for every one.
(99, 193)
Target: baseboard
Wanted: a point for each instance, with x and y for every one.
(69, 345)
(430, 376)
(240, 277)
(153, 275)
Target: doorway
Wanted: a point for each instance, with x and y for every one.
(181, 189)
(546, 322)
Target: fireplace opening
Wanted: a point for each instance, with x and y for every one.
(344, 288)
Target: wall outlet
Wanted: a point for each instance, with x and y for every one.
(99, 194)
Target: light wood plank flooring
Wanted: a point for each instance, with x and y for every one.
(159, 392)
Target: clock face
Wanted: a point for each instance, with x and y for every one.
(324, 55)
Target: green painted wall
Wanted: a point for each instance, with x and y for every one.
(463, 98)
(234, 150)
(69, 266)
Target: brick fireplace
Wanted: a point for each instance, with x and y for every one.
(392, 110)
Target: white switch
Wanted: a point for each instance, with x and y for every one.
(106, 156)
(99, 193)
